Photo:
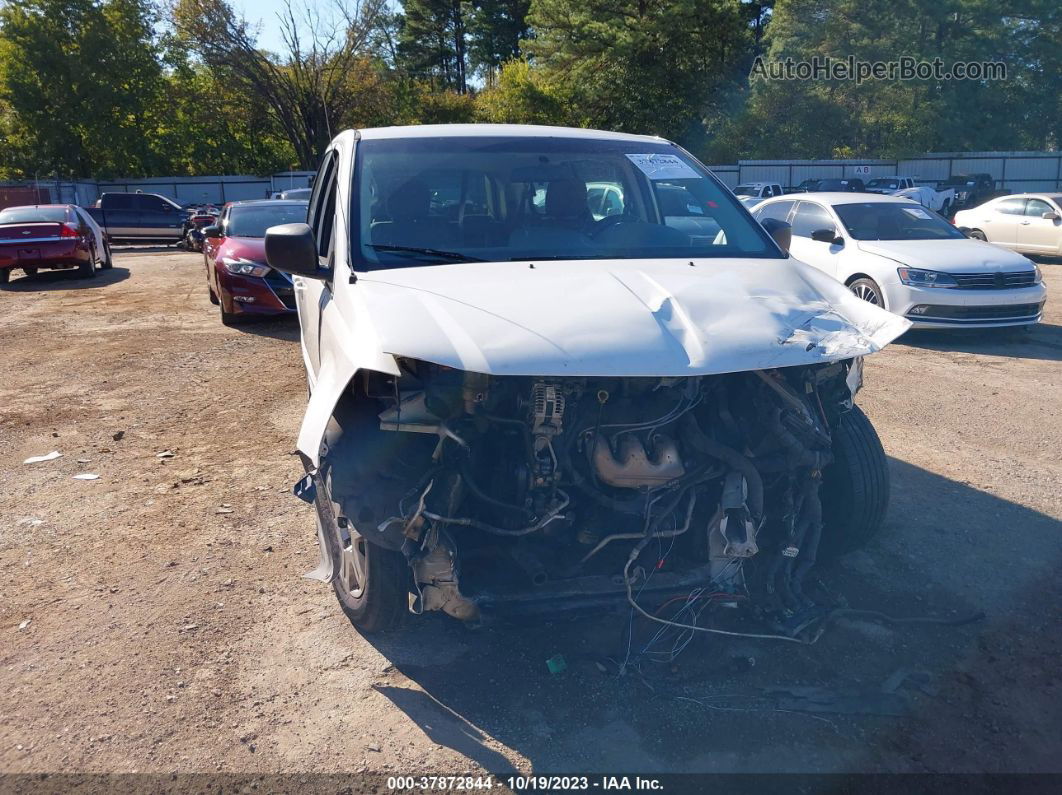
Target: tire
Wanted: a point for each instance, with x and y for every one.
(108, 261)
(229, 319)
(87, 270)
(868, 290)
(945, 208)
(5, 275)
(855, 487)
(213, 297)
(30, 271)
(372, 592)
(977, 234)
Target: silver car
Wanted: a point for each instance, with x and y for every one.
(1027, 222)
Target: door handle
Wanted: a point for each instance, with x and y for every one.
(1024, 223)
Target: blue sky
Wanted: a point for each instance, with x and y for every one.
(264, 13)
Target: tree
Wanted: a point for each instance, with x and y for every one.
(432, 43)
(496, 28)
(80, 80)
(883, 118)
(521, 95)
(306, 88)
(211, 127)
(640, 65)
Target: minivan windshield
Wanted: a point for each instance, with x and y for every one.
(426, 201)
(252, 220)
(894, 221)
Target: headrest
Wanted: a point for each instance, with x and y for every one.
(409, 201)
(566, 198)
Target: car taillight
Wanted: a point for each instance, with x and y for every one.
(69, 230)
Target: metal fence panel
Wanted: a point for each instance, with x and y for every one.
(728, 175)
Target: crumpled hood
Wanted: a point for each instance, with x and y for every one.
(620, 317)
(955, 256)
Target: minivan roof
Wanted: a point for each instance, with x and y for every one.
(489, 130)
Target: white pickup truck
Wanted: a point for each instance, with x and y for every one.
(905, 187)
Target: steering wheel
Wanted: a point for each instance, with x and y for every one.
(608, 222)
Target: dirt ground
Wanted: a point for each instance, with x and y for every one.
(156, 619)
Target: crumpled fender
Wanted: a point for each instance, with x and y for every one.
(351, 348)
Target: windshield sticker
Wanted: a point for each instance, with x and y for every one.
(917, 212)
(663, 166)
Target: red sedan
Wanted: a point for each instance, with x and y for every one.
(238, 278)
(55, 236)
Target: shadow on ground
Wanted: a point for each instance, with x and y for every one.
(1042, 341)
(284, 327)
(986, 698)
(138, 250)
(65, 280)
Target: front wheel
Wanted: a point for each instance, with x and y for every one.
(977, 234)
(868, 290)
(855, 487)
(370, 581)
(5, 275)
(30, 271)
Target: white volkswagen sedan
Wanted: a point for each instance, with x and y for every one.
(1027, 222)
(901, 256)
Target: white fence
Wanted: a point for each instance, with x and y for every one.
(1014, 172)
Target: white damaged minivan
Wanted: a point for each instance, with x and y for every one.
(553, 368)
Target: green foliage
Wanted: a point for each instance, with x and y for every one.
(80, 79)
(496, 28)
(105, 87)
(521, 95)
(432, 42)
(885, 118)
(641, 66)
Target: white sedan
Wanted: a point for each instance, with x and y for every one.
(1027, 222)
(898, 255)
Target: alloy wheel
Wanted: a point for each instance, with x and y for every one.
(866, 291)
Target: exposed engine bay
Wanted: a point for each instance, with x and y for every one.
(502, 489)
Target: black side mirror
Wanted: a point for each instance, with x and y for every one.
(780, 232)
(291, 248)
(212, 231)
(1050, 215)
(827, 236)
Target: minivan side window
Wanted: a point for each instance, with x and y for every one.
(322, 211)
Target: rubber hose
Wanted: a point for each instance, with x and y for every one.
(703, 443)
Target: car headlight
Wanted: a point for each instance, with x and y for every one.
(1037, 274)
(244, 267)
(916, 277)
